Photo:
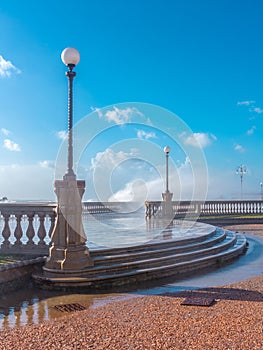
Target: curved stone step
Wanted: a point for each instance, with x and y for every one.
(171, 269)
(151, 261)
(109, 271)
(154, 244)
(146, 274)
(160, 249)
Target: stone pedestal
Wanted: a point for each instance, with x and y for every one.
(167, 209)
(68, 252)
(167, 197)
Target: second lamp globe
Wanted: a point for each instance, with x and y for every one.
(166, 149)
(70, 56)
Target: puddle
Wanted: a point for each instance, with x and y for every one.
(32, 305)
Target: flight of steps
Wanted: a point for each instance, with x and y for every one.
(154, 260)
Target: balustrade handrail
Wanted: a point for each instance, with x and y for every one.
(206, 208)
(209, 201)
(24, 208)
(26, 227)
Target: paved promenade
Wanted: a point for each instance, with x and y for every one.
(234, 321)
(155, 322)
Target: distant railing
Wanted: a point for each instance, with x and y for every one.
(108, 207)
(208, 208)
(99, 207)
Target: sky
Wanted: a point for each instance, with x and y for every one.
(152, 73)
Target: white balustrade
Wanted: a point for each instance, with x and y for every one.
(208, 208)
(26, 227)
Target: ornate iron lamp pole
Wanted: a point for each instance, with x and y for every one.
(70, 57)
(241, 170)
(68, 256)
(261, 190)
(167, 150)
(167, 195)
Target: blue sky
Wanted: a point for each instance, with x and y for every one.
(200, 60)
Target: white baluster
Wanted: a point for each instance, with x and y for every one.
(18, 230)
(6, 232)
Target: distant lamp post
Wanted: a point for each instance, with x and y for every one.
(167, 150)
(261, 190)
(167, 195)
(69, 256)
(241, 170)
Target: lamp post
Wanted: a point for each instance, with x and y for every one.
(70, 57)
(68, 255)
(241, 170)
(167, 150)
(167, 195)
(261, 190)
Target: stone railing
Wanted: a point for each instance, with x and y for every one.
(108, 207)
(99, 207)
(208, 208)
(26, 228)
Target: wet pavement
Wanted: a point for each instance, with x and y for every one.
(32, 305)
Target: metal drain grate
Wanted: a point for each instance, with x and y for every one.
(197, 301)
(70, 307)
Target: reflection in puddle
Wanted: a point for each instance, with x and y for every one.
(32, 306)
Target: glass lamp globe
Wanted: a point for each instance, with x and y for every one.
(70, 56)
(166, 149)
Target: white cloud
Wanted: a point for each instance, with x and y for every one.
(181, 184)
(251, 105)
(258, 110)
(5, 132)
(119, 116)
(109, 159)
(245, 103)
(141, 134)
(62, 135)
(11, 145)
(251, 130)
(239, 148)
(97, 110)
(47, 164)
(104, 165)
(133, 191)
(7, 68)
(132, 174)
(199, 139)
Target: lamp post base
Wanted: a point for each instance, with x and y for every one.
(63, 260)
(167, 197)
(68, 252)
(167, 208)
